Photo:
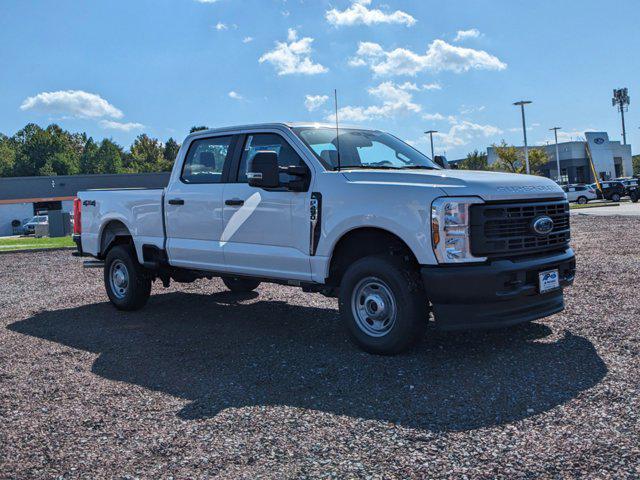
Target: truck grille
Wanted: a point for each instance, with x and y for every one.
(506, 229)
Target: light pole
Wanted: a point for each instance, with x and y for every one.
(521, 104)
(555, 132)
(430, 133)
(622, 100)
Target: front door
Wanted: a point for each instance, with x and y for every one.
(266, 233)
(194, 205)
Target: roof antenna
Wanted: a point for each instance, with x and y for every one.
(335, 100)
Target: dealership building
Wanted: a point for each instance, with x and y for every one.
(21, 198)
(611, 159)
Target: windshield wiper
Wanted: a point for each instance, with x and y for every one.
(418, 167)
(369, 167)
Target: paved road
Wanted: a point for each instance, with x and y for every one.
(625, 209)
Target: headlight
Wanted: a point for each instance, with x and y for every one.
(450, 229)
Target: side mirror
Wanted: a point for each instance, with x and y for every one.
(263, 170)
(440, 160)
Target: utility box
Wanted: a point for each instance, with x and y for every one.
(59, 223)
(41, 230)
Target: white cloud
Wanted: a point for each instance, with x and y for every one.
(207, 1)
(467, 110)
(235, 95)
(75, 103)
(313, 102)
(439, 56)
(125, 127)
(247, 40)
(463, 35)
(463, 132)
(359, 14)
(431, 86)
(438, 117)
(396, 99)
(221, 26)
(293, 56)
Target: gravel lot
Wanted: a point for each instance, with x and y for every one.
(203, 383)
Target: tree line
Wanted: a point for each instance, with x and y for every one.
(510, 159)
(34, 151)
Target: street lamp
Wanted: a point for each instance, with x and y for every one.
(555, 131)
(622, 100)
(430, 133)
(521, 104)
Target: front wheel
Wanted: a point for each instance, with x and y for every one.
(615, 197)
(240, 285)
(127, 285)
(383, 304)
(583, 200)
(635, 197)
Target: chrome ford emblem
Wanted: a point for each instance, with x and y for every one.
(542, 225)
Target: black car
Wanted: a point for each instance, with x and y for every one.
(611, 190)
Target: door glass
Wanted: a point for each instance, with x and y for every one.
(205, 160)
(268, 142)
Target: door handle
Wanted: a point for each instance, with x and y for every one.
(234, 202)
(176, 201)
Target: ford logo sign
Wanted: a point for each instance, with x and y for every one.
(542, 225)
(599, 141)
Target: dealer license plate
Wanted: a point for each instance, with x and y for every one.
(549, 280)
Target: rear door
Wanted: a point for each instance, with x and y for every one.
(266, 232)
(194, 204)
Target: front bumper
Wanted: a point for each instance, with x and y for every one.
(496, 294)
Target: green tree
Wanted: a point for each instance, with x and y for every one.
(474, 161)
(146, 155)
(88, 158)
(538, 159)
(46, 151)
(109, 157)
(7, 157)
(197, 129)
(170, 152)
(508, 158)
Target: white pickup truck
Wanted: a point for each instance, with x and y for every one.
(360, 215)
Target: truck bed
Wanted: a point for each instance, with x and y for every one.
(140, 210)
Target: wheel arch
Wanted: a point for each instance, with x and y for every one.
(114, 232)
(361, 242)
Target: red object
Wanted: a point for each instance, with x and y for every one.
(77, 216)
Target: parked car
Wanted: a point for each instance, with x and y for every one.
(634, 193)
(611, 190)
(376, 224)
(629, 184)
(29, 228)
(580, 193)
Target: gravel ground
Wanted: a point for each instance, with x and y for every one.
(202, 383)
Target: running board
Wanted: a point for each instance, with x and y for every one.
(93, 264)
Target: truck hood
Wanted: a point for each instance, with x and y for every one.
(486, 185)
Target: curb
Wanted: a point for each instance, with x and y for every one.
(29, 250)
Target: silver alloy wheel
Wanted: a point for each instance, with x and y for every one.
(119, 278)
(374, 307)
(582, 200)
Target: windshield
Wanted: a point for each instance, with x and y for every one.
(362, 149)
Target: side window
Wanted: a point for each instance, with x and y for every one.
(205, 160)
(271, 142)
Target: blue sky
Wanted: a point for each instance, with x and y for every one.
(118, 68)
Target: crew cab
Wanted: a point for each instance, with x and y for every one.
(356, 214)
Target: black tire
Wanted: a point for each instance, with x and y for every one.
(135, 293)
(635, 197)
(240, 285)
(615, 197)
(583, 200)
(397, 278)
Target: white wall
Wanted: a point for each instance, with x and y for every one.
(13, 211)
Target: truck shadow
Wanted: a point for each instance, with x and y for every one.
(219, 352)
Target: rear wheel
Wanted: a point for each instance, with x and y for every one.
(615, 197)
(239, 284)
(128, 287)
(635, 196)
(383, 304)
(582, 200)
